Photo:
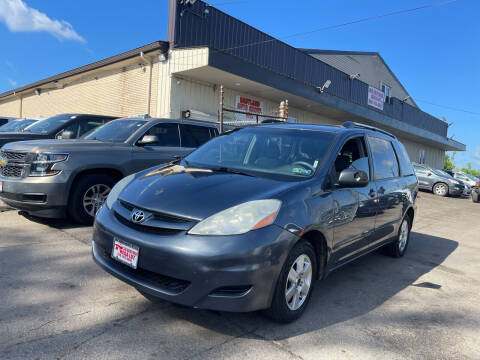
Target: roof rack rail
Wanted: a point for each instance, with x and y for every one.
(352, 124)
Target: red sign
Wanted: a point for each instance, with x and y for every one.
(243, 103)
(376, 98)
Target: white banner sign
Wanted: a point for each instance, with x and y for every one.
(376, 98)
(243, 103)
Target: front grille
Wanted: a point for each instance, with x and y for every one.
(15, 156)
(149, 229)
(11, 171)
(162, 282)
(156, 215)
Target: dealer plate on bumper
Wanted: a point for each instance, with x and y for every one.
(125, 253)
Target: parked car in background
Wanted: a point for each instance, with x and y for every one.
(251, 219)
(466, 178)
(17, 125)
(55, 178)
(5, 120)
(467, 191)
(436, 181)
(64, 126)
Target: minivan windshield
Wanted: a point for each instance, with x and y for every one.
(17, 125)
(116, 131)
(49, 125)
(279, 153)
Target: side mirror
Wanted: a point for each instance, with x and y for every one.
(351, 178)
(148, 140)
(67, 134)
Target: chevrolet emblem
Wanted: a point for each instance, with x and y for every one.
(3, 162)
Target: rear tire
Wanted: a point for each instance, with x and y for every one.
(398, 248)
(295, 284)
(87, 195)
(440, 189)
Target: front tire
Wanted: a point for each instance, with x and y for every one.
(88, 195)
(295, 284)
(440, 189)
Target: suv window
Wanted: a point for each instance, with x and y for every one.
(353, 154)
(167, 134)
(73, 127)
(88, 124)
(385, 161)
(193, 136)
(406, 167)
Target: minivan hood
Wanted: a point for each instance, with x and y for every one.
(197, 193)
(53, 145)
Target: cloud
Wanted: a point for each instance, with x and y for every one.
(12, 82)
(19, 17)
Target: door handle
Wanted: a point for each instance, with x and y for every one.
(372, 193)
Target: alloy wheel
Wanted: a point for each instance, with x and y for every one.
(299, 282)
(94, 198)
(403, 236)
(441, 189)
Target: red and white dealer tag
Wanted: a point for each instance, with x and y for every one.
(125, 253)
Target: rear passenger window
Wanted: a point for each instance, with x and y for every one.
(385, 162)
(167, 134)
(193, 136)
(406, 167)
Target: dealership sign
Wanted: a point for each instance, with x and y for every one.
(376, 98)
(243, 103)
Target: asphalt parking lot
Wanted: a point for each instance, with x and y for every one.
(57, 304)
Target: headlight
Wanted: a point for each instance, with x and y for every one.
(239, 219)
(42, 163)
(117, 189)
(455, 182)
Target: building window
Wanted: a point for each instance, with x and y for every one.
(421, 157)
(386, 90)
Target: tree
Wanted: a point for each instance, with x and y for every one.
(449, 164)
(469, 170)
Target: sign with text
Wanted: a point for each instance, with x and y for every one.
(243, 103)
(376, 98)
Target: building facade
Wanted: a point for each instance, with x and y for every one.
(207, 48)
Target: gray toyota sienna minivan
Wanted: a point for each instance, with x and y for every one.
(251, 219)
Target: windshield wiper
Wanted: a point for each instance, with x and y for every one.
(232, 171)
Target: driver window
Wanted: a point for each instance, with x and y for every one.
(167, 133)
(73, 127)
(352, 155)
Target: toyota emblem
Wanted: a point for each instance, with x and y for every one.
(138, 216)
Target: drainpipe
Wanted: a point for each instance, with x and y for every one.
(149, 61)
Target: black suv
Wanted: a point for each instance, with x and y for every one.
(251, 219)
(64, 126)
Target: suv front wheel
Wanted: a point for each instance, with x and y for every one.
(88, 195)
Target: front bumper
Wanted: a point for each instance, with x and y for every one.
(456, 190)
(225, 273)
(39, 196)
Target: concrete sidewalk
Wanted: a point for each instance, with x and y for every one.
(57, 304)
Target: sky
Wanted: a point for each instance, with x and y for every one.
(434, 52)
